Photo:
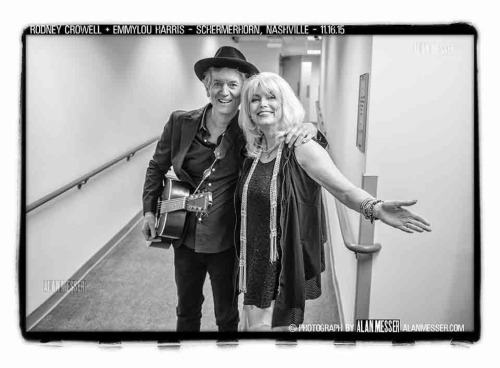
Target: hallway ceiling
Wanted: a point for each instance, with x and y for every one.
(289, 45)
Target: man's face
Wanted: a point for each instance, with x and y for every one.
(225, 90)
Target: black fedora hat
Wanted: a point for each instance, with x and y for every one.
(225, 57)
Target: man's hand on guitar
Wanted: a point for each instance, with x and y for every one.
(148, 227)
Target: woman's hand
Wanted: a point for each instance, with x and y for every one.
(394, 214)
(298, 134)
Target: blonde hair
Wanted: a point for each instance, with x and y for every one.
(292, 111)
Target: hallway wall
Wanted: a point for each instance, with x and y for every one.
(90, 99)
(421, 147)
(264, 58)
(344, 59)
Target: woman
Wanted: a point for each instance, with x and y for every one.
(281, 233)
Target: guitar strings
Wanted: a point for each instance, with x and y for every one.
(171, 203)
(173, 200)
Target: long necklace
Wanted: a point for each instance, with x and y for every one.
(273, 233)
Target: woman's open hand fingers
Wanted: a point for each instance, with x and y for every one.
(405, 229)
(414, 218)
(414, 227)
(419, 221)
(406, 203)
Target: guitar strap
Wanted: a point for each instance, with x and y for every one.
(219, 152)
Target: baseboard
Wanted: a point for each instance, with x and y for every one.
(47, 306)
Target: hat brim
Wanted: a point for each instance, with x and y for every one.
(221, 62)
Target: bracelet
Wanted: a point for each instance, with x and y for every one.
(364, 207)
(372, 205)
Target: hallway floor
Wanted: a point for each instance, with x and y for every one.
(133, 289)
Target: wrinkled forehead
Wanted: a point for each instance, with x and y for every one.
(226, 75)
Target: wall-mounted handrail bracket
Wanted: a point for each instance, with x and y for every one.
(79, 186)
(347, 236)
(130, 156)
(364, 248)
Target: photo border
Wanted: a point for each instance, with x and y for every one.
(340, 337)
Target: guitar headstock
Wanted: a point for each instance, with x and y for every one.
(200, 202)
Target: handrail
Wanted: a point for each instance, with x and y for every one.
(83, 180)
(345, 229)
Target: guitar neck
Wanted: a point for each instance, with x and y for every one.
(171, 205)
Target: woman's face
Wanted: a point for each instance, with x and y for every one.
(265, 109)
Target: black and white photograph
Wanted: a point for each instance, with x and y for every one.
(299, 181)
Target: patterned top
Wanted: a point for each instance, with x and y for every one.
(262, 275)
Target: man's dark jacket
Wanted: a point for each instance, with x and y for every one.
(177, 136)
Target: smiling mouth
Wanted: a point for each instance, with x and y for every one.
(265, 113)
(224, 102)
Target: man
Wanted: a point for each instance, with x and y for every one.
(188, 143)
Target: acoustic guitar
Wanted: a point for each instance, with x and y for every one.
(173, 205)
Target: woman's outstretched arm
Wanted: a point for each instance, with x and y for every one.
(320, 167)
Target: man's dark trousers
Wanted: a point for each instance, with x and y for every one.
(190, 272)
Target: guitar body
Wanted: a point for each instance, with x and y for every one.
(171, 224)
